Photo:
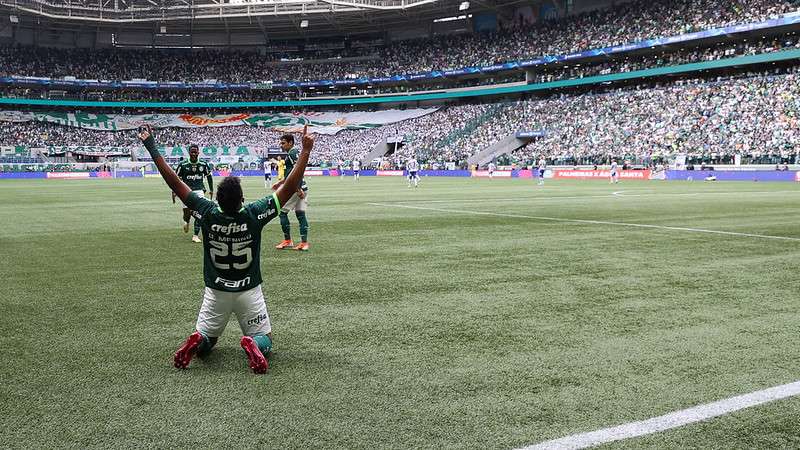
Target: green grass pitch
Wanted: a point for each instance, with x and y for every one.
(446, 327)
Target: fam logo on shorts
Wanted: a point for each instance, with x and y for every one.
(257, 320)
(233, 284)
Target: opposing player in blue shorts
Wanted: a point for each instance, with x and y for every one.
(412, 166)
(267, 164)
(614, 172)
(541, 170)
(356, 169)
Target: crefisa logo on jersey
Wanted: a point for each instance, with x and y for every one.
(272, 211)
(232, 227)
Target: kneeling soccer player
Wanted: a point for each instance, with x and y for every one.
(231, 258)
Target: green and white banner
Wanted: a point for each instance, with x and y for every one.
(318, 122)
(229, 153)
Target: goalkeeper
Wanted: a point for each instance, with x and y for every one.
(231, 258)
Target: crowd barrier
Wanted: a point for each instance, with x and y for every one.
(694, 175)
(734, 175)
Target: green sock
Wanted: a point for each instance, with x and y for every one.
(301, 218)
(287, 233)
(196, 228)
(264, 343)
(205, 347)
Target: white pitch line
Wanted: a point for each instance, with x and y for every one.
(591, 222)
(678, 194)
(483, 200)
(669, 421)
(617, 194)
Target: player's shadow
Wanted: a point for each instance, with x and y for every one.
(222, 359)
(219, 359)
(232, 359)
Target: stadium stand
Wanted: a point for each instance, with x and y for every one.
(755, 115)
(625, 23)
(710, 118)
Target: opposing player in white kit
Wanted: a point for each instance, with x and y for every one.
(231, 258)
(356, 169)
(542, 168)
(614, 172)
(491, 169)
(413, 171)
(340, 169)
(267, 173)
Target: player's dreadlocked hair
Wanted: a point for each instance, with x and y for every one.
(229, 195)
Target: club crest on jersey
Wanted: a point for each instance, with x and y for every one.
(232, 227)
(194, 168)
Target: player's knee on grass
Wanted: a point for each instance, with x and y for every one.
(205, 347)
(264, 344)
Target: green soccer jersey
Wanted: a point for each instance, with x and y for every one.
(291, 159)
(232, 244)
(193, 174)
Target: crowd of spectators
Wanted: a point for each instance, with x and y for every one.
(624, 23)
(550, 73)
(345, 145)
(755, 116)
(669, 57)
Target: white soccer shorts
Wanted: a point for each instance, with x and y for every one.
(248, 306)
(296, 203)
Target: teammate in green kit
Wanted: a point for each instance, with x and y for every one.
(298, 202)
(192, 173)
(231, 257)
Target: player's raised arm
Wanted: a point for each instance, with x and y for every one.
(292, 182)
(178, 187)
(210, 180)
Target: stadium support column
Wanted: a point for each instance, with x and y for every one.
(561, 7)
(529, 77)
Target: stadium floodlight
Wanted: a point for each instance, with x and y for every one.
(303, 24)
(452, 18)
(13, 19)
(463, 6)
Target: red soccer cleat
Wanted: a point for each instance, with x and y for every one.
(257, 361)
(285, 244)
(303, 246)
(187, 351)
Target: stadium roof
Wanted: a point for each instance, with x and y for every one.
(278, 18)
